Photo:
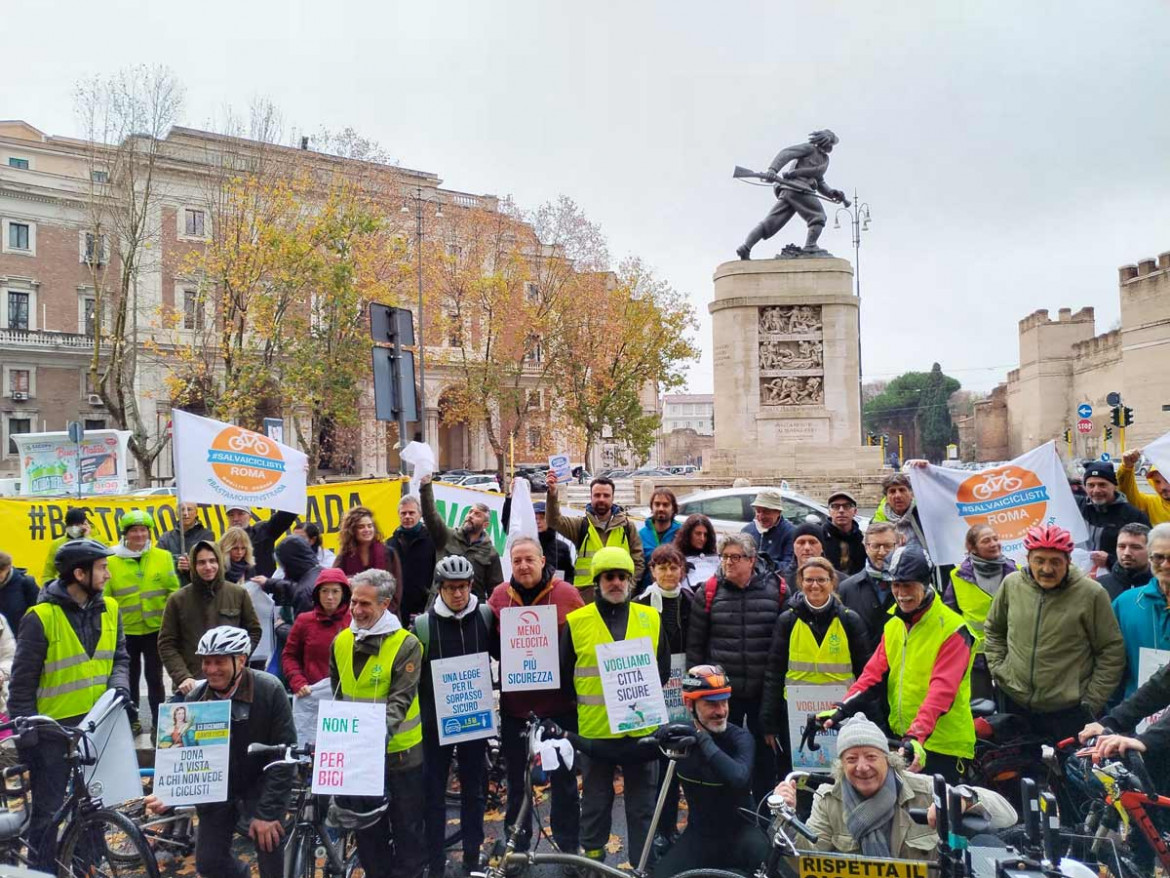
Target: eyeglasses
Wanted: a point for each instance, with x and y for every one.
(732, 559)
(1158, 559)
(456, 586)
(815, 581)
(880, 547)
(841, 507)
(615, 574)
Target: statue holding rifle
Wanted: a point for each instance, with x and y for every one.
(799, 190)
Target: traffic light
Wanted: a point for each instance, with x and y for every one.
(1068, 435)
(1108, 434)
(1126, 416)
(871, 438)
(885, 438)
(1115, 416)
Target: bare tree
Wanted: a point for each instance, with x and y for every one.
(124, 118)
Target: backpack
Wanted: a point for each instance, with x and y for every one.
(711, 585)
(422, 624)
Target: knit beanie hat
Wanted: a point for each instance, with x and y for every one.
(808, 529)
(857, 731)
(1100, 469)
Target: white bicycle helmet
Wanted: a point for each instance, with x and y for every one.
(225, 640)
(454, 567)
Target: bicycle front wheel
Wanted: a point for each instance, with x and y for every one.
(105, 844)
(300, 856)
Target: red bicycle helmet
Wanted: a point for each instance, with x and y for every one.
(1048, 536)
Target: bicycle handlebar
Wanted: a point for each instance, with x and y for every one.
(281, 754)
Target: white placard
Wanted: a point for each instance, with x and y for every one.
(222, 463)
(631, 686)
(559, 464)
(350, 758)
(529, 648)
(193, 752)
(806, 699)
(706, 566)
(305, 711)
(672, 691)
(1031, 490)
(265, 608)
(1150, 661)
(464, 706)
(114, 777)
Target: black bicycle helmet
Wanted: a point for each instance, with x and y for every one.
(79, 553)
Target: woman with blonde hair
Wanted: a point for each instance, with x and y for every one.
(240, 567)
(236, 547)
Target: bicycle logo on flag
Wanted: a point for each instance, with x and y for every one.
(245, 461)
(1009, 499)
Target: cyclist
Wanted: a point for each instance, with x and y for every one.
(717, 778)
(70, 649)
(260, 715)
(867, 810)
(142, 577)
(924, 658)
(1053, 643)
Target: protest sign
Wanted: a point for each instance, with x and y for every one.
(222, 463)
(1158, 453)
(672, 691)
(52, 463)
(529, 649)
(464, 707)
(31, 524)
(1150, 661)
(114, 774)
(705, 566)
(350, 758)
(192, 752)
(630, 685)
(1029, 491)
(803, 700)
(305, 711)
(559, 464)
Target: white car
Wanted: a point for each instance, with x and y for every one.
(731, 508)
(480, 483)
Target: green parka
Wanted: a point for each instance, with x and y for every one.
(1052, 649)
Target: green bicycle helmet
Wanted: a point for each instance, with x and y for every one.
(134, 518)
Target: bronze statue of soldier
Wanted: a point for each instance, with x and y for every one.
(799, 191)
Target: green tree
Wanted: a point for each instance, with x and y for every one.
(915, 404)
(934, 415)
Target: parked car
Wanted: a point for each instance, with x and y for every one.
(683, 470)
(731, 508)
(650, 473)
(453, 475)
(480, 483)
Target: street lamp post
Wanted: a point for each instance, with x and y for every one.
(419, 201)
(858, 214)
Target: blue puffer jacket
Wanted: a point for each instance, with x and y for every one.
(1145, 621)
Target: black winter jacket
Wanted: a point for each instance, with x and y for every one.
(448, 637)
(1105, 521)
(676, 617)
(261, 714)
(1148, 699)
(416, 552)
(774, 710)
(17, 594)
(264, 536)
(301, 568)
(860, 595)
(737, 633)
(837, 545)
(32, 647)
(1120, 580)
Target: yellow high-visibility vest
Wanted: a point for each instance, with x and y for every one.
(71, 680)
(373, 683)
(583, 570)
(818, 663)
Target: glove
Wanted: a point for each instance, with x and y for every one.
(124, 693)
(550, 731)
(914, 752)
(836, 714)
(671, 732)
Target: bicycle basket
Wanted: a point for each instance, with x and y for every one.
(355, 812)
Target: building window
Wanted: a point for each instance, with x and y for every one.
(100, 176)
(14, 162)
(192, 310)
(88, 382)
(93, 249)
(16, 426)
(89, 310)
(455, 333)
(95, 424)
(18, 381)
(534, 354)
(18, 236)
(533, 437)
(18, 310)
(193, 223)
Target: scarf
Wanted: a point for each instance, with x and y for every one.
(387, 624)
(989, 574)
(122, 552)
(870, 821)
(441, 609)
(412, 531)
(237, 570)
(658, 594)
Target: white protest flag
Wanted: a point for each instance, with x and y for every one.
(220, 463)
(1158, 453)
(521, 521)
(1030, 490)
(421, 458)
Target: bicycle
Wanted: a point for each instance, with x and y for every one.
(84, 838)
(309, 839)
(171, 835)
(993, 482)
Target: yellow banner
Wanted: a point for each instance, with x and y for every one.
(861, 867)
(30, 524)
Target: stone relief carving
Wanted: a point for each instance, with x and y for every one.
(791, 355)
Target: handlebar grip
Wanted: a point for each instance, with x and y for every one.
(801, 827)
(273, 751)
(921, 816)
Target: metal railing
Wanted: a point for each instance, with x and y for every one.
(36, 338)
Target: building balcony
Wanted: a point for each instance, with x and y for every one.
(40, 340)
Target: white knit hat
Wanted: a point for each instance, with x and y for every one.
(857, 731)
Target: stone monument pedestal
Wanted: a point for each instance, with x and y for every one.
(786, 370)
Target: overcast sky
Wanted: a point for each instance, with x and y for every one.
(1013, 153)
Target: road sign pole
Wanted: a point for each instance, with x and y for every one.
(1121, 436)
